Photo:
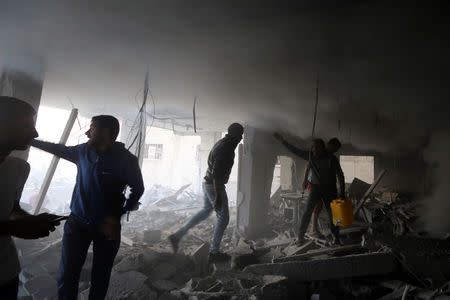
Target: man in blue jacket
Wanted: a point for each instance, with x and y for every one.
(105, 169)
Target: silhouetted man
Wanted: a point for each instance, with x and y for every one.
(322, 180)
(220, 163)
(333, 146)
(16, 131)
(105, 168)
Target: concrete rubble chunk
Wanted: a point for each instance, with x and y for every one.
(243, 255)
(163, 286)
(331, 268)
(323, 251)
(128, 263)
(41, 287)
(129, 285)
(294, 250)
(162, 271)
(271, 279)
(200, 257)
(150, 236)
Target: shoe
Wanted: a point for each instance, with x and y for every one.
(174, 242)
(217, 257)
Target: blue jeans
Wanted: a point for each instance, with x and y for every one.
(76, 241)
(223, 216)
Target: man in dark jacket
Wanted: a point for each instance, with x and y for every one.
(105, 169)
(324, 168)
(220, 162)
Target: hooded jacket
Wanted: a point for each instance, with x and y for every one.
(101, 179)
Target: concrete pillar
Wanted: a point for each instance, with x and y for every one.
(24, 86)
(256, 175)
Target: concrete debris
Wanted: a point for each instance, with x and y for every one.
(129, 285)
(163, 286)
(200, 257)
(243, 255)
(331, 268)
(150, 236)
(294, 250)
(385, 250)
(41, 287)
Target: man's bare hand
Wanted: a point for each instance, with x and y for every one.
(278, 137)
(32, 227)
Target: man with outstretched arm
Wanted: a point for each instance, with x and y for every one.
(324, 168)
(333, 146)
(105, 169)
(16, 131)
(220, 163)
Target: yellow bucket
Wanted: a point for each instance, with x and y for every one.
(342, 211)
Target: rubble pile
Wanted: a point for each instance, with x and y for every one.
(384, 256)
(399, 211)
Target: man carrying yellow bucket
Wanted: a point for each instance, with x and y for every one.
(324, 168)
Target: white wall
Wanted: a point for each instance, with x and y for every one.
(179, 164)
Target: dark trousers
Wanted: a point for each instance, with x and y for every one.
(9, 290)
(76, 241)
(315, 197)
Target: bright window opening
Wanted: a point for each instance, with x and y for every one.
(361, 167)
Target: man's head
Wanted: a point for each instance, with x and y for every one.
(317, 147)
(333, 145)
(236, 131)
(104, 129)
(17, 127)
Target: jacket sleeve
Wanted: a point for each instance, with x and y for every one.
(339, 174)
(135, 182)
(62, 151)
(223, 162)
(301, 153)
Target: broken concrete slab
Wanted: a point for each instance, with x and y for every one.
(200, 256)
(163, 286)
(243, 255)
(328, 251)
(129, 285)
(331, 268)
(41, 287)
(275, 287)
(294, 250)
(150, 236)
(126, 240)
(162, 271)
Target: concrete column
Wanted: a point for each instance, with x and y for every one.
(256, 175)
(24, 86)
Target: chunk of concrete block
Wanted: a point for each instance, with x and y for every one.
(294, 250)
(41, 287)
(375, 264)
(150, 236)
(200, 257)
(163, 286)
(243, 255)
(31, 271)
(123, 285)
(162, 271)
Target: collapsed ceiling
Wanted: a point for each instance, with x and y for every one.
(383, 67)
